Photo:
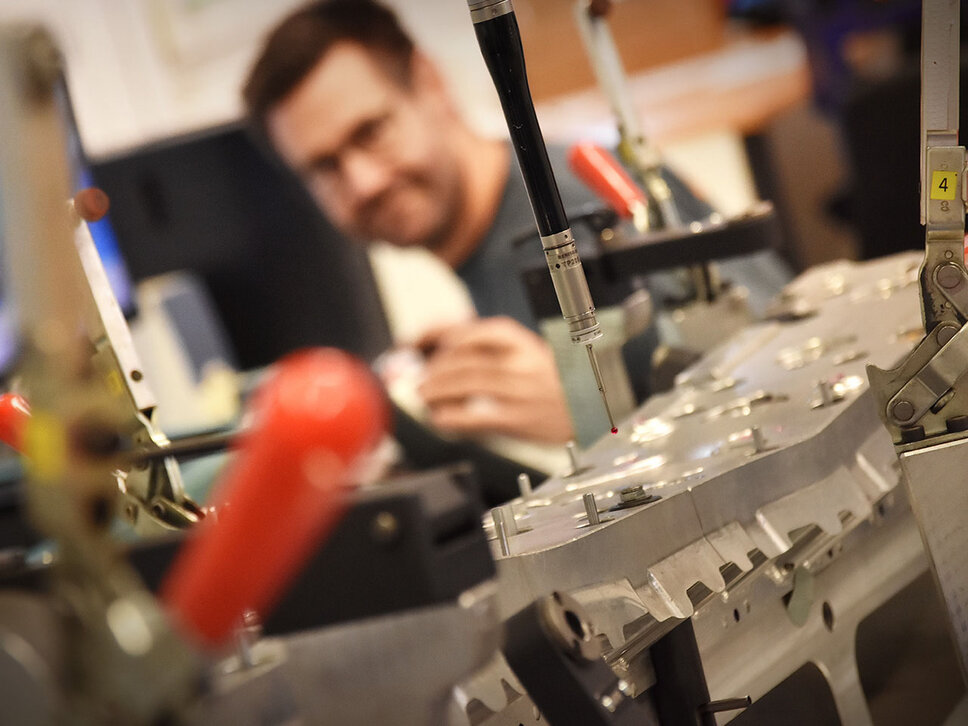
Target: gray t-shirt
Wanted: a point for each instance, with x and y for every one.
(493, 273)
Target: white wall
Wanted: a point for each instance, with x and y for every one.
(144, 70)
(141, 70)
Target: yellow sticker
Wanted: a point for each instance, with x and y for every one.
(45, 447)
(944, 184)
(116, 385)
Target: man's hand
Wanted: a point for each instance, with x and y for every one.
(495, 376)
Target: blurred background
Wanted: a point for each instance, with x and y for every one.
(810, 103)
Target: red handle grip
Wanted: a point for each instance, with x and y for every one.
(14, 415)
(606, 177)
(321, 412)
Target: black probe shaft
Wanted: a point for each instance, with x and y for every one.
(500, 40)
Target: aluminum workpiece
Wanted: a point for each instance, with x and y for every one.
(766, 465)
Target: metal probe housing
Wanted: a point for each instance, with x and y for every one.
(498, 35)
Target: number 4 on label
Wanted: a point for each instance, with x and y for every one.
(944, 184)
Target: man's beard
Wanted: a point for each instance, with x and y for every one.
(440, 233)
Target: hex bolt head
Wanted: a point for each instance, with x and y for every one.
(948, 275)
(633, 494)
(903, 411)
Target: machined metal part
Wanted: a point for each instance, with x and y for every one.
(753, 618)
(571, 287)
(553, 649)
(108, 328)
(939, 375)
(935, 480)
(482, 10)
(940, 66)
(912, 396)
(308, 678)
(923, 401)
(154, 495)
(944, 233)
(729, 521)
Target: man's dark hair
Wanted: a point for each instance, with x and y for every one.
(295, 47)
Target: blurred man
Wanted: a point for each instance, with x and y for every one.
(364, 118)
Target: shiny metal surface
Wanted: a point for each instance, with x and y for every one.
(571, 287)
(935, 478)
(694, 447)
(771, 466)
(940, 62)
(483, 10)
(398, 669)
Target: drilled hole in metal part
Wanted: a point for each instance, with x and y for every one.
(828, 616)
(736, 615)
(575, 623)
(136, 375)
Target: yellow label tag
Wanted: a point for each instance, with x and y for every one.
(944, 184)
(116, 385)
(45, 447)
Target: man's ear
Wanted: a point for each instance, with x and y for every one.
(428, 83)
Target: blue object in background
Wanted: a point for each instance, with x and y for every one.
(102, 232)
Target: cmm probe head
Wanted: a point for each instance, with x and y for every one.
(498, 35)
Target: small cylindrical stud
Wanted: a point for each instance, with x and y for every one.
(591, 508)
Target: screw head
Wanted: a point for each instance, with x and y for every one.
(945, 333)
(903, 411)
(949, 276)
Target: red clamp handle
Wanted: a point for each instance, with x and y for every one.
(606, 177)
(14, 415)
(313, 422)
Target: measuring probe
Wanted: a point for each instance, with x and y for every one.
(500, 40)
